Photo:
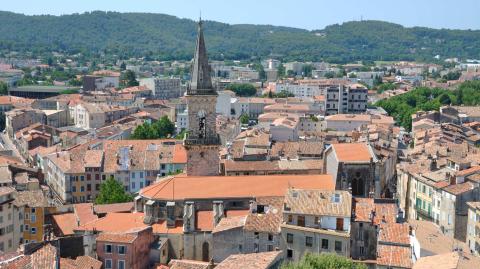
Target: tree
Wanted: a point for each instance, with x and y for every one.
(123, 66)
(242, 89)
(324, 261)
(244, 119)
(3, 88)
(111, 191)
(307, 70)
(281, 71)
(129, 79)
(163, 128)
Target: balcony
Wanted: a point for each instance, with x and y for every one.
(201, 92)
(424, 214)
(193, 141)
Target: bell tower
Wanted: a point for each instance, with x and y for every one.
(202, 141)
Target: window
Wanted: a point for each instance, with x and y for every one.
(133, 185)
(324, 243)
(133, 174)
(82, 178)
(338, 246)
(270, 237)
(122, 250)
(108, 263)
(74, 189)
(362, 250)
(290, 218)
(89, 187)
(256, 249)
(108, 248)
(33, 230)
(290, 238)
(33, 210)
(97, 187)
(26, 227)
(141, 174)
(289, 253)
(257, 235)
(301, 221)
(308, 241)
(97, 177)
(82, 189)
(104, 177)
(121, 264)
(89, 177)
(336, 198)
(269, 247)
(33, 218)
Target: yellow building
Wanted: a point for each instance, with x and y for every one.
(33, 206)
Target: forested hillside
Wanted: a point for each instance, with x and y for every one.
(167, 37)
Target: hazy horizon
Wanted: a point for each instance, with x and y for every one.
(304, 14)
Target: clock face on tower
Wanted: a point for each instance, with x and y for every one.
(202, 129)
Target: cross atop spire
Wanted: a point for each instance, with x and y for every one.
(201, 82)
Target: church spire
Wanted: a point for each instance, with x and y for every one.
(201, 82)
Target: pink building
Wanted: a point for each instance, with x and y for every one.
(125, 250)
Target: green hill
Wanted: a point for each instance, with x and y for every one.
(168, 37)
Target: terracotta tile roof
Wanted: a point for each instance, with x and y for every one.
(349, 117)
(225, 187)
(394, 256)
(263, 260)
(161, 227)
(115, 223)
(67, 223)
(93, 158)
(457, 189)
(84, 213)
(34, 198)
(23, 262)
(147, 155)
(6, 190)
(394, 233)
(180, 154)
(295, 149)
(81, 262)
(187, 264)
(441, 261)
(433, 241)
(318, 202)
(270, 220)
(204, 220)
(229, 223)
(469, 171)
(352, 152)
(44, 258)
(384, 212)
(114, 208)
(126, 238)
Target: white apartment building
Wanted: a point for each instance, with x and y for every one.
(163, 88)
(300, 90)
(342, 99)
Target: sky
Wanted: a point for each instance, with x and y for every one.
(311, 14)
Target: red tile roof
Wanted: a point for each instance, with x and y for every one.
(352, 152)
(66, 223)
(394, 256)
(197, 187)
(84, 213)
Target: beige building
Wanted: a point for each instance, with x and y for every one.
(316, 221)
(473, 227)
